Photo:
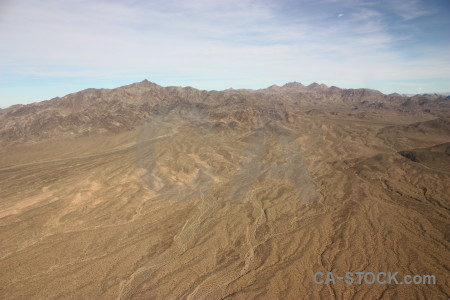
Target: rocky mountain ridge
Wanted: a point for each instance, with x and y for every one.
(96, 111)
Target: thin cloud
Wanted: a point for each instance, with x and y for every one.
(412, 9)
(248, 43)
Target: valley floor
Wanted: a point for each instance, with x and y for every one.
(80, 220)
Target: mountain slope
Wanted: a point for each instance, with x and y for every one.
(95, 111)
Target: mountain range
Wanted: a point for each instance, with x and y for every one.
(94, 111)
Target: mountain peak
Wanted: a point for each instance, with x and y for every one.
(142, 84)
(293, 85)
(146, 82)
(315, 85)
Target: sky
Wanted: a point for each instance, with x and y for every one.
(50, 48)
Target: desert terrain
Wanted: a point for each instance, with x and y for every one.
(150, 192)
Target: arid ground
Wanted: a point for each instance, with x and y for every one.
(145, 192)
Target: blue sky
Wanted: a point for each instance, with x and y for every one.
(50, 48)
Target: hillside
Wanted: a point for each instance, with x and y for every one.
(96, 111)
